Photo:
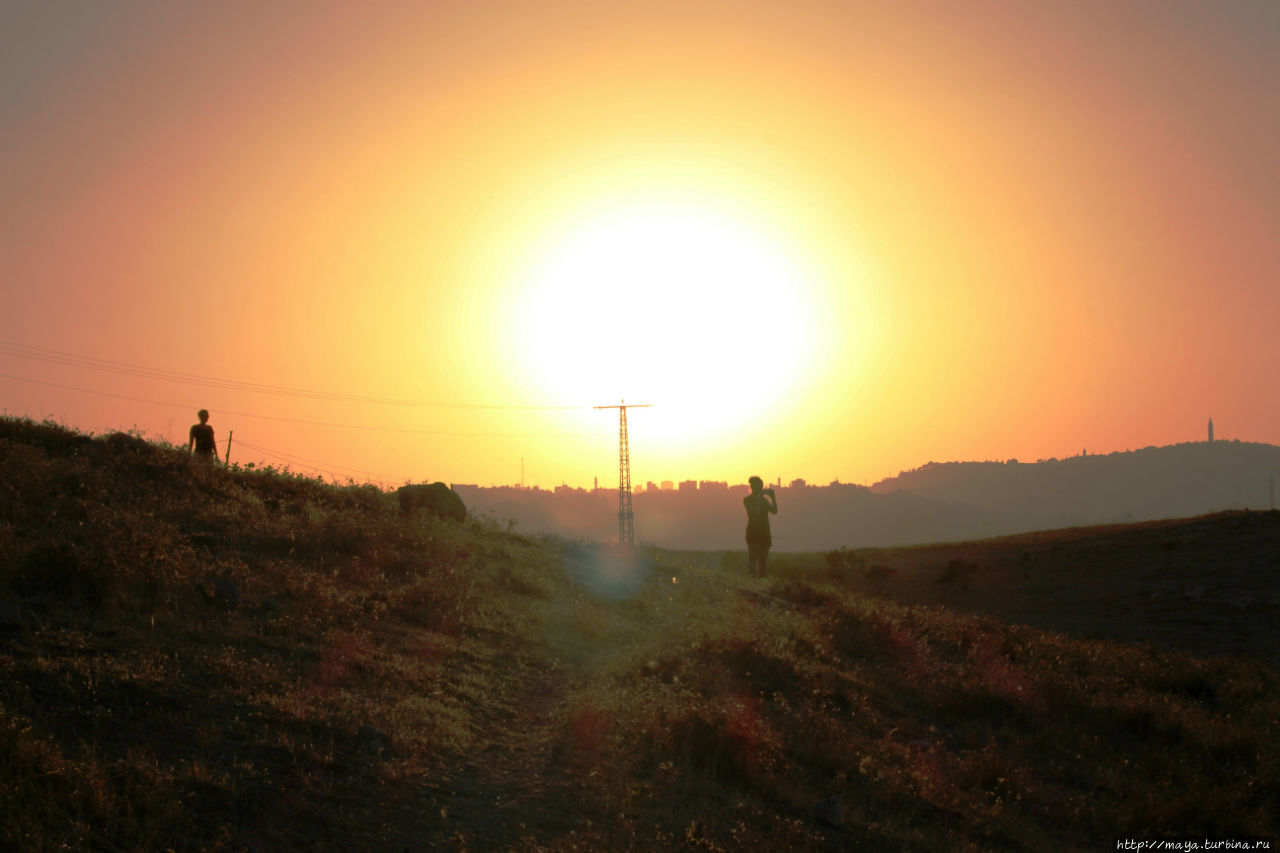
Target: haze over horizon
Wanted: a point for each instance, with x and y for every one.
(828, 241)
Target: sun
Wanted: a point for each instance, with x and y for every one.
(699, 307)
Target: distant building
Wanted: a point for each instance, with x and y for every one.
(797, 483)
(688, 485)
(713, 486)
(668, 486)
(1210, 429)
(466, 491)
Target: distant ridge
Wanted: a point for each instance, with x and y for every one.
(1155, 482)
(938, 502)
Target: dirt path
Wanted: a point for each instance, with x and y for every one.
(542, 738)
(535, 731)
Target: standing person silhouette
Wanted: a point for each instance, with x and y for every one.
(760, 504)
(200, 439)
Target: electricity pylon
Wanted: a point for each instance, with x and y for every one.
(626, 518)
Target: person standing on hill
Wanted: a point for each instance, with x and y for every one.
(760, 504)
(200, 439)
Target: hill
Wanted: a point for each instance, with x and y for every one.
(1209, 585)
(938, 502)
(209, 659)
(1174, 481)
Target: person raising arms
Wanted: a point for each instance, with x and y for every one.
(760, 504)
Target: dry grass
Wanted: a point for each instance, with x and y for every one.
(385, 682)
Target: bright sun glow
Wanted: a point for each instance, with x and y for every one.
(696, 308)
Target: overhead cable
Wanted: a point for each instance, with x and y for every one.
(122, 368)
(324, 467)
(191, 407)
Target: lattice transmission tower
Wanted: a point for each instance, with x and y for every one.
(626, 518)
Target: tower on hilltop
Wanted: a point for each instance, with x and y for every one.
(1210, 429)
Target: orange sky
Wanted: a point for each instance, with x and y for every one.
(827, 240)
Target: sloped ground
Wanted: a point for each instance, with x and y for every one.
(203, 659)
(1208, 585)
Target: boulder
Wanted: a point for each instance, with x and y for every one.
(119, 441)
(436, 498)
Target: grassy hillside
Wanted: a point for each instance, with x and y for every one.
(212, 659)
(1209, 585)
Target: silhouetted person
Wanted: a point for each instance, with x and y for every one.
(200, 439)
(760, 504)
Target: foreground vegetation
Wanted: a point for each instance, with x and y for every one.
(197, 658)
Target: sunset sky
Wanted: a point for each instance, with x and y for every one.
(408, 241)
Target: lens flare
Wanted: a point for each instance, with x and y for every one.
(608, 573)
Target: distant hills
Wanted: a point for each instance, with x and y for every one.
(1155, 482)
(938, 502)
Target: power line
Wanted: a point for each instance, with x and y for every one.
(190, 407)
(51, 356)
(314, 464)
(317, 465)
